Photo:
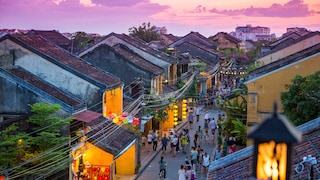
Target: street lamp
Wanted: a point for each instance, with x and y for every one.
(273, 141)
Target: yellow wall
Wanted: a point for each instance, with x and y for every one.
(112, 101)
(97, 156)
(125, 164)
(264, 91)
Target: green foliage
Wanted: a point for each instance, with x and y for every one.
(82, 39)
(145, 32)
(301, 101)
(12, 146)
(180, 84)
(48, 126)
(192, 91)
(200, 66)
(255, 65)
(235, 110)
(240, 130)
(161, 114)
(39, 153)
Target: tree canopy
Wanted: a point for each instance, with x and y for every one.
(145, 32)
(301, 101)
(40, 152)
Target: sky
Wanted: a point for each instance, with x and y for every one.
(180, 17)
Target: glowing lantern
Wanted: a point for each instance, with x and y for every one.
(273, 141)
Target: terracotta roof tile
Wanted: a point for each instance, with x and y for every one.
(53, 36)
(40, 84)
(62, 56)
(143, 46)
(137, 60)
(115, 139)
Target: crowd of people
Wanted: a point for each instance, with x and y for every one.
(196, 161)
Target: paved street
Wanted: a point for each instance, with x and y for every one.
(152, 171)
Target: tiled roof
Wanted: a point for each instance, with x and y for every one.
(186, 47)
(239, 165)
(138, 60)
(284, 61)
(53, 36)
(144, 47)
(227, 36)
(194, 37)
(55, 53)
(86, 116)
(45, 87)
(112, 139)
(286, 42)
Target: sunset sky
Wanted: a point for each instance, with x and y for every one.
(179, 16)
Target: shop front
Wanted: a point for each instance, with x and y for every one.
(103, 148)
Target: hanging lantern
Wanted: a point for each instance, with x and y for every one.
(273, 141)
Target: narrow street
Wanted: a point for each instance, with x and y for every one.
(152, 171)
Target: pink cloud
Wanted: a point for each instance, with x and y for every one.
(70, 15)
(119, 3)
(199, 9)
(293, 8)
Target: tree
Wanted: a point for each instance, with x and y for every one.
(236, 111)
(12, 146)
(145, 32)
(40, 153)
(301, 101)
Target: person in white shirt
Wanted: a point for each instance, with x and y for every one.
(207, 116)
(198, 113)
(181, 173)
(205, 162)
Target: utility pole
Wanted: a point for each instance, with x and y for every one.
(140, 124)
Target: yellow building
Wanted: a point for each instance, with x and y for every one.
(103, 148)
(112, 101)
(266, 83)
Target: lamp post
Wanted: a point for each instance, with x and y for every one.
(273, 141)
(141, 129)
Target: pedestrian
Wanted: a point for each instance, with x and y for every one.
(233, 148)
(207, 116)
(184, 142)
(200, 135)
(162, 166)
(205, 162)
(190, 119)
(219, 139)
(178, 143)
(181, 173)
(143, 141)
(206, 124)
(190, 173)
(155, 141)
(224, 147)
(193, 156)
(199, 150)
(212, 126)
(149, 139)
(195, 139)
(164, 143)
(218, 153)
(207, 137)
(198, 113)
(174, 145)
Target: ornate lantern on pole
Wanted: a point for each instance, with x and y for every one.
(273, 141)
